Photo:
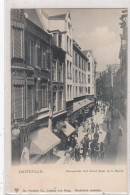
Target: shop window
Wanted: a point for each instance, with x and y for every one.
(18, 101)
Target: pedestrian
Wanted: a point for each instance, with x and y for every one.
(96, 135)
(97, 126)
(92, 146)
(112, 124)
(96, 151)
(73, 141)
(84, 154)
(67, 156)
(95, 111)
(92, 127)
(77, 153)
(25, 156)
(102, 150)
(120, 130)
(108, 136)
(108, 123)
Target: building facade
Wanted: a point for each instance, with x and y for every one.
(38, 89)
(91, 73)
(60, 27)
(120, 79)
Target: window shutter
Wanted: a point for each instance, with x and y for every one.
(17, 43)
(18, 102)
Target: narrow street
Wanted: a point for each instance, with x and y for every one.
(114, 153)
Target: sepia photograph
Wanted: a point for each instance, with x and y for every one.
(67, 108)
(69, 86)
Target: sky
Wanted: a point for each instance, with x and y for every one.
(97, 30)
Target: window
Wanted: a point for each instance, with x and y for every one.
(17, 43)
(79, 77)
(27, 52)
(44, 96)
(79, 62)
(73, 74)
(67, 44)
(32, 53)
(70, 46)
(60, 72)
(76, 91)
(30, 100)
(82, 64)
(88, 90)
(54, 102)
(76, 76)
(60, 40)
(70, 71)
(44, 56)
(68, 91)
(68, 76)
(88, 78)
(39, 54)
(88, 66)
(18, 101)
(73, 91)
(54, 71)
(76, 63)
(54, 39)
(82, 78)
(60, 106)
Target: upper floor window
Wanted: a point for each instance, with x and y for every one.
(76, 60)
(88, 90)
(59, 40)
(67, 44)
(39, 54)
(54, 101)
(54, 39)
(88, 66)
(54, 71)
(60, 72)
(17, 43)
(88, 78)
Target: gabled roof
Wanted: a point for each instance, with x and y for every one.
(32, 15)
(58, 17)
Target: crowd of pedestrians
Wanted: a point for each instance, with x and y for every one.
(90, 146)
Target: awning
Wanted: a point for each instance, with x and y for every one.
(68, 130)
(42, 140)
(81, 104)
